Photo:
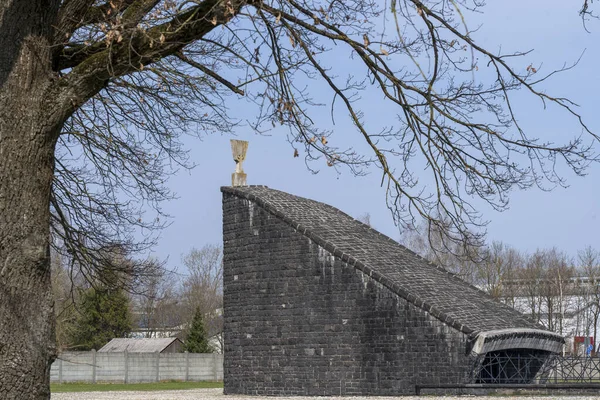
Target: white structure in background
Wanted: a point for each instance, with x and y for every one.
(157, 333)
(571, 309)
(215, 339)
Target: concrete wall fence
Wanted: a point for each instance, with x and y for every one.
(93, 367)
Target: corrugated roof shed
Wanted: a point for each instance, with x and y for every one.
(138, 345)
(422, 283)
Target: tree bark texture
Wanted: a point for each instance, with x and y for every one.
(29, 126)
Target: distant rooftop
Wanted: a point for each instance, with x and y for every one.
(137, 345)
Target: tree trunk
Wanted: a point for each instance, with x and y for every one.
(26, 305)
(29, 126)
(596, 316)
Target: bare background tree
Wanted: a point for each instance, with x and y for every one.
(365, 219)
(551, 288)
(203, 289)
(94, 97)
(462, 259)
(64, 297)
(157, 305)
(589, 260)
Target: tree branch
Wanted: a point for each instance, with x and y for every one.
(156, 42)
(210, 73)
(72, 15)
(137, 10)
(93, 66)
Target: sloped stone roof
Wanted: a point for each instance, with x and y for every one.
(422, 283)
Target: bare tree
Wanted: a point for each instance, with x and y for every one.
(531, 278)
(94, 96)
(589, 262)
(203, 287)
(514, 262)
(64, 302)
(490, 271)
(158, 306)
(558, 272)
(458, 258)
(497, 271)
(365, 219)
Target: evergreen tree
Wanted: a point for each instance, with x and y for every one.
(197, 342)
(104, 315)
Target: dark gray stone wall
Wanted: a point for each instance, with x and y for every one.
(299, 321)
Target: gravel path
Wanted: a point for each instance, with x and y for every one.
(217, 394)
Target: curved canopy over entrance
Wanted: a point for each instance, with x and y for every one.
(513, 356)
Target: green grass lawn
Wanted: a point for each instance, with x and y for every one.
(106, 387)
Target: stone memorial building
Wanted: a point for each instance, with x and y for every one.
(318, 303)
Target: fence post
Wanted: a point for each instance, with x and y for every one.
(215, 369)
(157, 366)
(187, 366)
(93, 366)
(60, 370)
(126, 377)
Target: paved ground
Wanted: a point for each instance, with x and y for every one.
(217, 394)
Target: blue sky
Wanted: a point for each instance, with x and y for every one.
(565, 218)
